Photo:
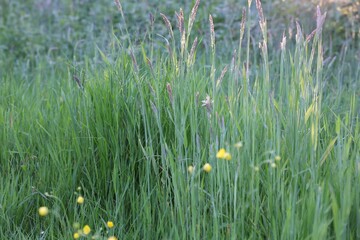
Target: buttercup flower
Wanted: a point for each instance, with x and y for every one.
(76, 235)
(110, 224)
(86, 229)
(43, 211)
(80, 200)
(227, 156)
(207, 167)
(221, 153)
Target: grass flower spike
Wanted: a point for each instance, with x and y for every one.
(207, 167)
(43, 211)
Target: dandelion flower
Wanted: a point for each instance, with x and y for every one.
(43, 211)
(227, 156)
(190, 169)
(86, 229)
(277, 158)
(110, 224)
(207, 167)
(76, 235)
(80, 200)
(112, 238)
(221, 153)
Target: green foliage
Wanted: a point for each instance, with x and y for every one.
(121, 108)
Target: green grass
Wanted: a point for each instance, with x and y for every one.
(127, 133)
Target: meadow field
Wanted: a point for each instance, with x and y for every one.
(179, 119)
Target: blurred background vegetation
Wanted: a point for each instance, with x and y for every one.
(67, 34)
(67, 29)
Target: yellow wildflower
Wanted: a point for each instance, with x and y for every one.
(76, 235)
(227, 156)
(86, 229)
(110, 224)
(221, 153)
(43, 211)
(80, 200)
(190, 169)
(112, 238)
(207, 167)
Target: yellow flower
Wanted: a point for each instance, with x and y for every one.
(43, 211)
(221, 153)
(76, 235)
(86, 229)
(112, 238)
(277, 158)
(227, 156)
(80, 200)
(190, 169)
(110, 224)
(207, 167)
